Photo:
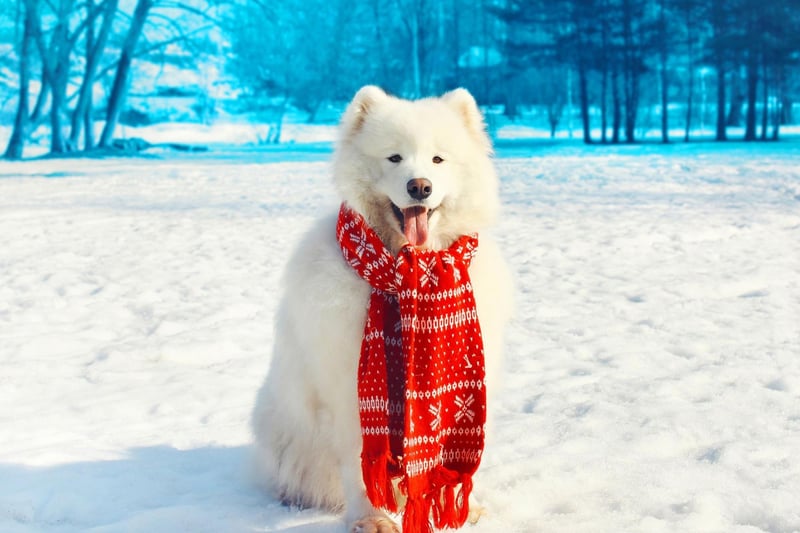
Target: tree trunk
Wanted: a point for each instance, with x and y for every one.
(88, 128)
(455, 45)
(94, 51)
(605, 63)
(734, 118)
(487, 86)
(415, 51)
(16, 143)
(58, 144)
(764, 101)
(617, 101)
(664, 79)
(631, 105)
(664, 105)
(786, 105)
(553, 123)
(39, 108)
(779, 101)
(689, 100)
(57, 65)
(603, 106)
(719, 27)
(690, 81)
(752, 93)
(554, 111)
(78, 114)
(630, 72)
(722, 133)
(120, 87)
(583, 87)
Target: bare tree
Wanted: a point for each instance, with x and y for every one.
(663, 55)
(95, 46)
(719, 50)
(55, 57)
(120, 86)
(16, 142)
(317, 51)
(690, 12)
(633, 64)
(414, 11)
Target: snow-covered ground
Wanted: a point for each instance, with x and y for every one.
(653, 367)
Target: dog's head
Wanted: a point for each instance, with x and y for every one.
(419, 171)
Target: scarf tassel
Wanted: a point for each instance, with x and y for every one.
(451, 508)
(415, 516)
(380, 489)
(447, 507)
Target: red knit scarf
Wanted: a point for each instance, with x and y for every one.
(421, 393)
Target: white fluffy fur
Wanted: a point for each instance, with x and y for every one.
(306, 424)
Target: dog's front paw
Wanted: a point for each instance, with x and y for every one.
(475, 513)
(374, 524)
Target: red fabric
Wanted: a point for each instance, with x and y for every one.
(421, 394)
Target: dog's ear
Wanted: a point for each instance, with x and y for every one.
(356, 113)
(462, 102)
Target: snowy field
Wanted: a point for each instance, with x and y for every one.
(653, 368)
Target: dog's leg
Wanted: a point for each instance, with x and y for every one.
(476, 511)
(374, 524)
(360, 515)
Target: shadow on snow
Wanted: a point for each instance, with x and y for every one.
(152, 489)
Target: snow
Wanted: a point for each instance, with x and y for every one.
(652, 377)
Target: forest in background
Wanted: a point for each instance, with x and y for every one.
(616, 66)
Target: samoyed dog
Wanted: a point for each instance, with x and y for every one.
(420, 173)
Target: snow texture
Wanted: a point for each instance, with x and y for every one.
(653, 367)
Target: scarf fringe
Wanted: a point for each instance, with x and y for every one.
(415, 516)
(445, 507)
(451, 508)
(380, 489)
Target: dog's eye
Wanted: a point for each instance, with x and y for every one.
(437, 159)
(396, 158)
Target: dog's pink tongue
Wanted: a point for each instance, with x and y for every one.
(415, 221)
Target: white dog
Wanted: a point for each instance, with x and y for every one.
(419, 172)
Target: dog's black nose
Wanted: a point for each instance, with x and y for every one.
(419, 188)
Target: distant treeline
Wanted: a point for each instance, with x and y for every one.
(610, 59)
(626, 54)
